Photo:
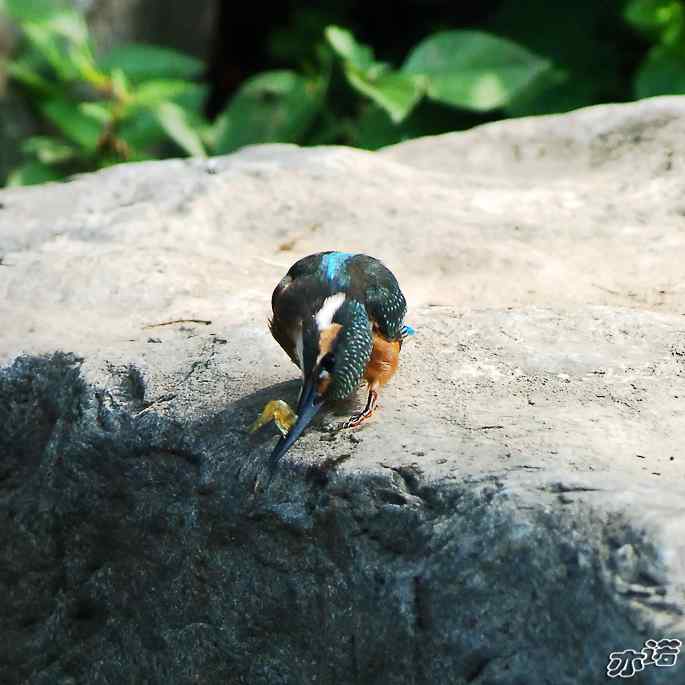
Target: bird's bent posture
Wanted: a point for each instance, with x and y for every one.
(340, 318)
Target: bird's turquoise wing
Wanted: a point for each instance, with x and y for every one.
(373, 284)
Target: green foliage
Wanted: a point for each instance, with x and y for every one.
(146, 102)
(32, 10)
(76, 126)
(469, 69)
(137, 102)
(473, 69)
(33, 172)
(394, 91)
(275, 106)
(143, 62)
(663, 22)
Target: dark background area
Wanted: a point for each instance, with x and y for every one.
(220, 77)
(589, 37)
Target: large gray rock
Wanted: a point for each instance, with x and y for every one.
(514, 513)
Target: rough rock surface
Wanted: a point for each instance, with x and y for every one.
(514, 513)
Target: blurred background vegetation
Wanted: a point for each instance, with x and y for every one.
(85, 84)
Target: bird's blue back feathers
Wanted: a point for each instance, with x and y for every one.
(332, 265)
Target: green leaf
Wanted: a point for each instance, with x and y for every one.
(32, 173)
(120, 84)
(328, 128)
(33, 10)
(142, 131)
(555, 90)
(155, 92)
(62, 39)
(48, 150)
(71, 25)
(87, 70)
(395, 92)
(275, 106)
(374, 129)
(661, 73)
(346, 46)
(575, 43)
(662, 19)
(46, 43)
(141, 62)
(99, 112)
(193, 100)
(178, 127)
(25, 73)
(145, 136)
(72, 122)
(473, 69)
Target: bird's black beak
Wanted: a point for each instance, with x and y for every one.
(308, 406)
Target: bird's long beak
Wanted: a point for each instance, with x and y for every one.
(308, 406)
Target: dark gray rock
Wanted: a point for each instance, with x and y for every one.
(513, 514)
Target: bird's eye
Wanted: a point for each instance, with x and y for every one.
(328, 362)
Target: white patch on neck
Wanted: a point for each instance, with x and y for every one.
(299, 347)
(324, 317)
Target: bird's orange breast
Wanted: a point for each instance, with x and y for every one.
(385, 357)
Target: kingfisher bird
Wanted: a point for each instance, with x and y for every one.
(340, 318)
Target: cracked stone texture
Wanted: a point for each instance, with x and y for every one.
(514, 513)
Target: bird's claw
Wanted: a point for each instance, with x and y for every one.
(357, 419)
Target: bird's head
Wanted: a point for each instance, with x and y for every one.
(333, 349)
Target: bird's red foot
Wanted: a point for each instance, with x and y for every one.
(357, 419)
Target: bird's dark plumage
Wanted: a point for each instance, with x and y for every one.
(340, 318)
(364, 279)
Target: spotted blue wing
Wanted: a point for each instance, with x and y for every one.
(375, 285)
